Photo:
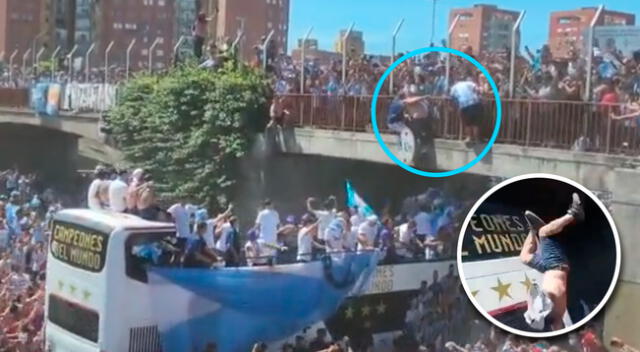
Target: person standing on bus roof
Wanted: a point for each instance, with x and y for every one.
(267, 222)
(180, 218)
(118, 192)
(93, 195)
(147, 199)
(132, 191)
(543, 252)
(367, 233)
(197, 254)
(103, 189)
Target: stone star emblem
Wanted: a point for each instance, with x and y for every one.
(349, 312)
(366, 310)
(527, 282)
(381, 308)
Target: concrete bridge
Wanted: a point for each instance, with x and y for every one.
(81, 130)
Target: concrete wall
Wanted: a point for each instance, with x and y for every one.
(616, 174)
(85, 125)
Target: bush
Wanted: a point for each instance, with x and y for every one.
(188, 127)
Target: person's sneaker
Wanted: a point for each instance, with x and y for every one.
(534, 222)
(576, 209)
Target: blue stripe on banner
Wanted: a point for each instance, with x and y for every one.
(238, 307)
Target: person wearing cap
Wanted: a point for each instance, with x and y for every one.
(93, 194)
(199, 32)
(267, 222)
(335, 234)
(367, 233)
(118, 193)
(197, 254)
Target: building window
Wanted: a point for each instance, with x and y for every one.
(466, 16)
(160, 2)
(568, 19)
(269, 25)
(160, 52)
(464, 35)
(145, 51)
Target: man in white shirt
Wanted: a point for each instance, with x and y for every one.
(407, 239)
(267, 222)
(306, 238)
(367, 233)
(325, 215)
(466, 94)
(118, 193)
(423, 221)
(181, 219)
(93, 195)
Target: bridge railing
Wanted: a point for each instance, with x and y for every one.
(564, 125)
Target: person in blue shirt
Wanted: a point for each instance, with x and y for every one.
(197, 254)
(12, 213)
(466, 95)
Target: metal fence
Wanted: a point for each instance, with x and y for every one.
(551, 124)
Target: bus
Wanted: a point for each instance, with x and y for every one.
(95, 294)
(494, 274)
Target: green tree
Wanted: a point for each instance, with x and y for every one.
(190, 126)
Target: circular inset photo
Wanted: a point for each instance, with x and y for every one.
(539, 255)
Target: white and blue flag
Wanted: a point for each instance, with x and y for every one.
(354, 200)
(237, 307)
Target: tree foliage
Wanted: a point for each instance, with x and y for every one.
(189, 127)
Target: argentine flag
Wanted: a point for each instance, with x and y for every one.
(354, 200)
(237, 307)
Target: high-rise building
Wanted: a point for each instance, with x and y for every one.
(256, 18)
(63, 24)
(354, 43)
(185, 13)
(24, 25)
(146, 21)
(483, 27)
(568, 29)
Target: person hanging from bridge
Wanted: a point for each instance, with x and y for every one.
(544, 252)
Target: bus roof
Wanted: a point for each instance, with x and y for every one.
(108, 221)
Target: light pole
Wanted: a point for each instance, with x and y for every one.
(264, 50)
(512, 66)
(53, 62)
(175, 49)
(151, 49)
(393, 53)
(36, 64)
(15, 52)
(587, 91)
(35, 43)
(239, 35)
(304, 44)
(87, 63)
(24, 60)
(448, 63)
(433, 21)
(128, 57)
(70, 61)
(344, 53)
(106, 63)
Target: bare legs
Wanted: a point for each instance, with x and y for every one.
(556, 226)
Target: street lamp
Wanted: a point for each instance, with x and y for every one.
(512, 68)
(448, 63)
(587, 91)
(128, 57)
(15, 52)
(304, 44)
(151, 49)
(87, 63)
(106, 63)
(239, 35)
(53, 62)
(393, 53)
(70, 61)
(344, 52)
(264, 50)
(433, 21)
(24, 61)
(36, 64)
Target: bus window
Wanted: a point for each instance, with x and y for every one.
(145, 249)
(74, 318)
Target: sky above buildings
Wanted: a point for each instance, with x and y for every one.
(378, 18)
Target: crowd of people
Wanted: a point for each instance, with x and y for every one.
(26, 207)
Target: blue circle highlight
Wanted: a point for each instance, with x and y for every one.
(374, 120)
